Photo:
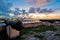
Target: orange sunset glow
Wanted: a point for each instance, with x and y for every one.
(44, 16)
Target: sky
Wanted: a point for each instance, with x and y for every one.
(5, 5)
(26, 4)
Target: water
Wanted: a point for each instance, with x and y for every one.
(2, 24)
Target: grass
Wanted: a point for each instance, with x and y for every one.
(38, 29)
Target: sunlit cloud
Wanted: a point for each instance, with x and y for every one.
(29, 0)
(11, 14)
(37, 3)
(40, 3)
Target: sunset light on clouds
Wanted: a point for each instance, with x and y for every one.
(40, 3)
(26, 4)
(37, 3)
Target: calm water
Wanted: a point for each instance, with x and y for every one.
(2, 24)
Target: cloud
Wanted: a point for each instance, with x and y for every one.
(29, 0)
(40, 3)
(4, 6)
(37, 3)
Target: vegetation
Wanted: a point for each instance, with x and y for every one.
(28, 31)
(38, 29)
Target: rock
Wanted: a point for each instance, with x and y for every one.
(32, 38)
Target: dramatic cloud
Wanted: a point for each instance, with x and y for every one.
(4, 6)
(29, 0)
(37, 3)
(40, 3)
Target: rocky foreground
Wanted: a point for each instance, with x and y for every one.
(40, 33)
